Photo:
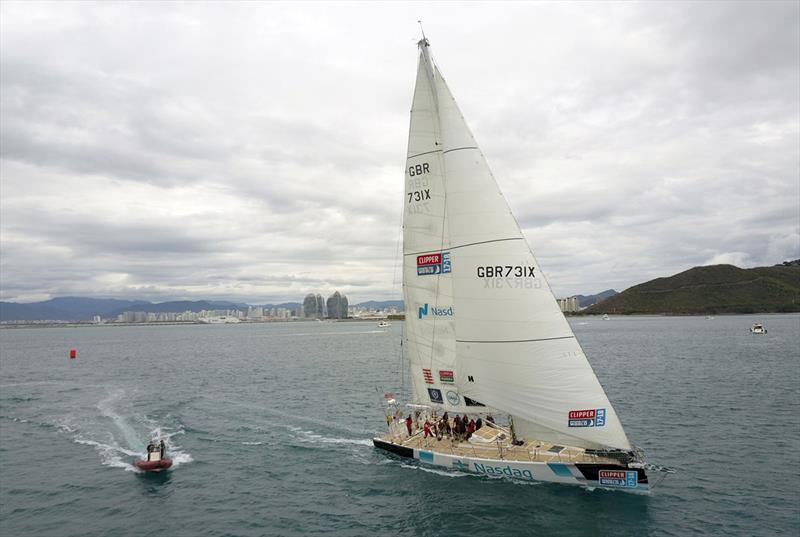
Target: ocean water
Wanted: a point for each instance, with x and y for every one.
(270, 428)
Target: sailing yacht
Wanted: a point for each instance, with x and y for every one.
(484, 336)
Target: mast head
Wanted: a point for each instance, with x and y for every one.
(424, 41)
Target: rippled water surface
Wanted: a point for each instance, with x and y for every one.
(270, 428)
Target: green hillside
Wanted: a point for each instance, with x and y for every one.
(709, 290)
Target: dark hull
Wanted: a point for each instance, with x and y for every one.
(605, 475)
(153, 466)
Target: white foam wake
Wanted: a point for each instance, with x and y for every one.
(119, 444)
(312, 437)
(107, 409)
(436, 471)
(110, 454)
(326, 334)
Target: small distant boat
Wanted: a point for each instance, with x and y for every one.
(758, 328)
(709, 317)
(606, 317)
(384, 324)
(155, 461)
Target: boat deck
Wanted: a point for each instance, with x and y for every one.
(533, 451)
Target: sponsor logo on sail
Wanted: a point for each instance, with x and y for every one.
(446, 375)
(618, 478)
(502, 470)
(593, 417)
(434, 311)
(433, 263)
(435, 395)
(428, 376)
(452, 398)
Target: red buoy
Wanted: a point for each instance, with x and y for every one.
(73, 353)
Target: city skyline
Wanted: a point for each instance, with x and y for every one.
(141, 159)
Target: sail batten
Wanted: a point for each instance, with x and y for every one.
(513, 340)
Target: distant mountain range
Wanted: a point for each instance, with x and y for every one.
(711, 290)
(67, 308)
(700, 290)
(381, 304)
(585, 301)
(83, 309)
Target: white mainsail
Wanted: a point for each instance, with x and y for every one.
(477, 306)
(429, 342)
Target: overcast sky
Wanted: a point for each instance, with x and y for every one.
(255, 151)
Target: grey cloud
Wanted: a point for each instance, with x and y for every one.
(140, 157)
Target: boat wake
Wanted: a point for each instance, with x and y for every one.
(327, 334)
(312, 437)
(115, 435)
(310, 421)
(436, 471)
(112, 455)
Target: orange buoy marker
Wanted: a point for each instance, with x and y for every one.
(73, 353)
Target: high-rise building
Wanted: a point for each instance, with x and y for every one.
(337, 306)
(568, 305)
(310, 307)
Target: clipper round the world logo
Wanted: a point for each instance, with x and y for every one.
(433, 263)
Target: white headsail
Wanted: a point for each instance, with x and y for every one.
(477, 305)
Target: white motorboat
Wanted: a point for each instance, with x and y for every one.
(758, 328)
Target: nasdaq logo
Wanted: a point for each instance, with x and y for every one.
(434, 311)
